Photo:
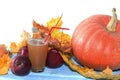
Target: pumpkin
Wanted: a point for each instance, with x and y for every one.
(96, 42)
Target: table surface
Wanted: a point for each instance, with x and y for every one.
(62, 73)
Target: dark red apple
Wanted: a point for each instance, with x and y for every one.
(54, 59)
(20, 65)
(23, 51)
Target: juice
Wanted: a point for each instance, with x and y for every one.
(37, 54)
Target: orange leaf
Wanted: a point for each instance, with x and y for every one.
(5, 61)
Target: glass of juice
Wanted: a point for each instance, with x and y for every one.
(37, 48)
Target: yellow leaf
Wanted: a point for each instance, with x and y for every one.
(14, 46)
(53, 22)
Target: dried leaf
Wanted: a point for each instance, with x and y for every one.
(1, 63)
(62, 37)
(5, 62)
(23, 36)
(2, 50)
(53, 22)
(108, 71)
(14, 46)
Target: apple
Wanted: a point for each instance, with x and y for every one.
(23, 51)
(54, 59)
(20, 65)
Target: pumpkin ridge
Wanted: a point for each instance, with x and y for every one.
(95, 48)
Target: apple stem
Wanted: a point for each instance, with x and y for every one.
(113, 21)
(18, 63)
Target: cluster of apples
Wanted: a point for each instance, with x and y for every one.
(21, 64)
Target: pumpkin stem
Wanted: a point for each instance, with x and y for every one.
(113, 21)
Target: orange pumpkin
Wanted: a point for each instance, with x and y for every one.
(96, 42)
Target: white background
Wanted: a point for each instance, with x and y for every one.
(16, 15)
